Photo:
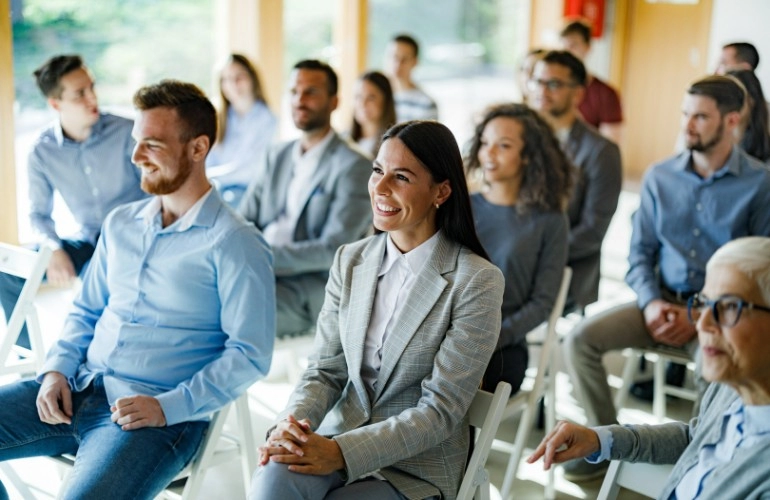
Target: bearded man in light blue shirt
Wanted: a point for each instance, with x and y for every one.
(176, 318)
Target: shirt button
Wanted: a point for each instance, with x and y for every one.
(95, 192)
(691, 274)
(698, 207)
(121, 343)
(87, 170)
(696, 232)
(693, 253)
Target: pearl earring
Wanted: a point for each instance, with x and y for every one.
(437, 205)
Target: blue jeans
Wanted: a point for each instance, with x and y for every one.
(80, 253)
(110, 462)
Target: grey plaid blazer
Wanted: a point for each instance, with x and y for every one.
(413, 430)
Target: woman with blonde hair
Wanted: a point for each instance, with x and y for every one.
(374, 111)
(246, 127)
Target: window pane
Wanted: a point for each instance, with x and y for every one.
(468, 51)
(125, 43)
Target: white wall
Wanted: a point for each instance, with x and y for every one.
(741, 21)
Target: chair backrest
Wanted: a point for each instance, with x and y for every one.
(31, 266)
(485, 414)
(646, 479)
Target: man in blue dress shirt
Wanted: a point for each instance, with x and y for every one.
(86, 157)
(176, 318)
(691, 204)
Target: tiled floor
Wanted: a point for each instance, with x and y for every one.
(269, 396)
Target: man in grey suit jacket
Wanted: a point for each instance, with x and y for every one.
(309, 198)
(558, 85)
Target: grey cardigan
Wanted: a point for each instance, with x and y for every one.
(746, 476)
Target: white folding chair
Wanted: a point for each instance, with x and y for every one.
(659, 355)
(643, 478)
(219, 446)
(527, 399)
(485, 414)
(29, 265)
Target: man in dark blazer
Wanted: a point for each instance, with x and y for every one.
(557, 86)
(309, 198)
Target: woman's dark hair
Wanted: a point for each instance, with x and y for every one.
(436, 149)
(548, 174)
(388, 117)
(756, 137)
(256, 88)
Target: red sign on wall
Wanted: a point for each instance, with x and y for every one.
(591, 11)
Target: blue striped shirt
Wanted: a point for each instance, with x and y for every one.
(93, 176)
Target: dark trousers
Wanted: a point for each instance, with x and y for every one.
(80, 253)
(508, 364)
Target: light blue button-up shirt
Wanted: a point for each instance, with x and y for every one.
(683, 219)
(93, 176)
(742, 427)
(184, 313)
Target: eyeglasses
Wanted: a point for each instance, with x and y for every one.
(725, 309)
(551, 85)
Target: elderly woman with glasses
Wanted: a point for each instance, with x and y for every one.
(725, 452)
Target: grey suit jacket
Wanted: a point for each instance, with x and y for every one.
(336, 208)
(591, 207)
(414, 428)
(745, 476)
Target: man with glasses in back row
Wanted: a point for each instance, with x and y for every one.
(556, 89)
(691, 204)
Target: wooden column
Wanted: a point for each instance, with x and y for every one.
(350, 43)
(255, 29)
(546, 20)
(9, 230)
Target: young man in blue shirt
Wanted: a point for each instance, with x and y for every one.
(176, 318)
(85, 156)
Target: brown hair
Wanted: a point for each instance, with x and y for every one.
(548, 174)
(256, 89)
(193, 108)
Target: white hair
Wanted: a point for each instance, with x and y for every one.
(750, 255)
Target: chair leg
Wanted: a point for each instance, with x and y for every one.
(629, 370)
(248, 443)
(522, 435)
(549, 398)
(659, 394)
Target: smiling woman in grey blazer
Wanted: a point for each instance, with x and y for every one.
(410, 320)
(725, 452)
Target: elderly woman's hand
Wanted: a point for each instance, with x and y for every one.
(566, 441)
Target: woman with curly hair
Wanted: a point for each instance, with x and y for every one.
(520, 220)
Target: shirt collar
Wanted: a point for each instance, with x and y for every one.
(185, 222)
(96, 130)
(314, 153)
(732, 165)
(756, 419)
(414, 259)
